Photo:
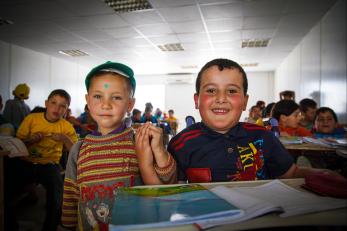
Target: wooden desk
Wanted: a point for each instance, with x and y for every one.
(319, 156)
(328, 218)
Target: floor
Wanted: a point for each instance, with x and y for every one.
(30, 217)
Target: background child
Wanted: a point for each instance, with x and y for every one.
(308, 108)
(16, 109)
(288, 115)
(220, 148)
(45, 134)
(326, 124)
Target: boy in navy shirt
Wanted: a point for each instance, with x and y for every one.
(220, 148)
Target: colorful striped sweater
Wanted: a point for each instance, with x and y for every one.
(96, 167)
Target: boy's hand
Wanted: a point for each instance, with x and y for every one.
(157, 144)
(142, 146)
(35, 138)
(60, 137)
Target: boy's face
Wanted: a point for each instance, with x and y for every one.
(221, 99)
(325, 122)
(56, 108)
(108, 101)
(310, 114)
(255, 113)
(291, 121)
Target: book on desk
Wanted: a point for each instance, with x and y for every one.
(140, 208)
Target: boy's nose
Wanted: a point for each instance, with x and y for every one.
(221, 98)
(106, 104)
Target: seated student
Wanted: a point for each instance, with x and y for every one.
(267, 113)
(220, 148)
(326, 124)
(136, 116)
(148, 117)
(308, 108)
(6, 128)
(45, 134)
(16, 109)
(288, 115)
(173, 123)
(255, 114)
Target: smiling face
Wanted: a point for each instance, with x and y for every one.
(56, 107)
(109, 100)
(325, 122)
(221, 99)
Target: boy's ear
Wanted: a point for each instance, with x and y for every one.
(131, 104)
(196, 100)
(46, 103)
(245, 103)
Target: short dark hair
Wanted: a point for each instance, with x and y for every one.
(61, 93)
(326, 109)
(171, 111)
(284, 107)
(222, 63)
(307, 103)
(268, 109)
(136, 111)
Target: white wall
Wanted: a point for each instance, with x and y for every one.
(317, 66)
(42, 73)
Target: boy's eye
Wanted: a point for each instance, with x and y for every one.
(211, 90)
(232, 91)
(116, 98)
(97, 96)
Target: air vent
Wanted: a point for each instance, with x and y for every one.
(122, 6)
(179, 78)
(5, 22)
(171, 47)
(73, 53)
(189, 67)
(253, 43)
(249, 65)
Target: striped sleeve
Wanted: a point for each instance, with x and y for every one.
(71, 192)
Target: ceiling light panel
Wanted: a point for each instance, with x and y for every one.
(73, 53)
(121, 6)
(171, 47)
(255, 43)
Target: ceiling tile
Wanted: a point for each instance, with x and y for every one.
(186, 13)
(187, 27)
(122, 32)
(142, 17)
(222, 11)
(155, 29)
(224, 24)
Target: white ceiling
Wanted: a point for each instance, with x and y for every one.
(206, 29)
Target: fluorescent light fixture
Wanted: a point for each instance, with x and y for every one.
(73, 53)
(121, 6)
(249, 64)
(171, 47)
(255, 43)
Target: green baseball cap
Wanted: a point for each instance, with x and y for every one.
(118, 68)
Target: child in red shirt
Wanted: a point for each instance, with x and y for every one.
(288, 114)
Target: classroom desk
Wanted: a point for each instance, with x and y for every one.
(335, 217)
(319, 156)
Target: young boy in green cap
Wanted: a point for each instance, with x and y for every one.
(106, 158)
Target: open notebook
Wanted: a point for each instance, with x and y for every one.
(138, 208)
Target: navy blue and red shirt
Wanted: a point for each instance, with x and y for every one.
(245, 152)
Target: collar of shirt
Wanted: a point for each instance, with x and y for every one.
(236, 131)
(120, 129)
